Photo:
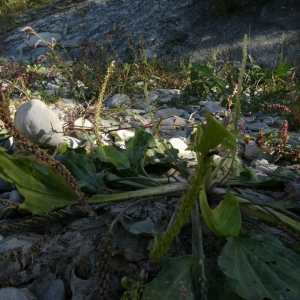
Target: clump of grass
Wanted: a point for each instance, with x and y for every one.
(11, 9)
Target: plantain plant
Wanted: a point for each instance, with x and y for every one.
(49, 185)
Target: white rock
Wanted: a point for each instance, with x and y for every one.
(124, 134)
(39, 124)
(181, 146)
(83, 122)
(73, 142)
(69, 102)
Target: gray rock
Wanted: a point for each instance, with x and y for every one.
(5, 195)
(168, 91)
(56, 290)
(6, 143)
(268, 120)
(268, 169)
(169, 112)
(69, 102)
(246, 97)
(108, 123)
(278, 122)
(136, 124)
(6, 212)
(269, 17)
(253, 152)
(4, 186)
(264, 166)
(212, 107)
(117, 100)
(175, 122)
(257, 162)
(256, 126)
(16, 197)
(18, 240)
(39, 124)
(165, 100)
(11, 293)
(136, 111)
(294, 139)
(153, 96)
(248, 119)
(197, 116)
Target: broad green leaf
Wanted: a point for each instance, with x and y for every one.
(282, 69)
(283, 174)
(83, 169)
(111, 157)
(239, 172)
(43, 188)
(225, 219)
(258, 266)
(133, 179)
(173, 282)
(242, 175)
(272, 216)
(137, 146)
(160, 158)
(118, 165)
(215, 134)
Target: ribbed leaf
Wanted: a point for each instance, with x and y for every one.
(258, 266)
(225, 219)
(173, 282)
(43, 188)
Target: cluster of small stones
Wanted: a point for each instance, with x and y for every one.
(45, 125)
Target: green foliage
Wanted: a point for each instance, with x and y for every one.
(10, 10)
(83, 169)
(137, 154)
(108, 167)
(258, 266)
(215, 134)
(174, 281)
(204, 79)
(225, 219)
(43, 188)
(266, 87)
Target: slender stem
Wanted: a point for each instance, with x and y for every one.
(157, 133)
(218, 167)
(118, 217)
(153, 191)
